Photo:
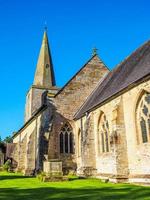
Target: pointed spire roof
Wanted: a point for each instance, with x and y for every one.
(44, 75)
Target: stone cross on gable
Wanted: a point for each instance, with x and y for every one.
(94, 51)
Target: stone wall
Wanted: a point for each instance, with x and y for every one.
(28, 106)
(34, 101)
(30, 154)
(57, 121)
(1, 158)
(127, 159)
(68, 101)
(15, 155)
(24, 152)
(105, 163)
(88, 159)
(73, 95)
(138, 153)
(36, 97)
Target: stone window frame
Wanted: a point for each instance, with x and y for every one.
(66, 139)
(103, 134)
(140, 117)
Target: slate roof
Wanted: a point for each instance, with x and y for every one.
(131, 70)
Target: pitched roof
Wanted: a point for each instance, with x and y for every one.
(92, 58)
(132, 69)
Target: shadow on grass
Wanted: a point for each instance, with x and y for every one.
(7, 177)
(74, 178)
(14, 177)
(102, 193)
(54, 192)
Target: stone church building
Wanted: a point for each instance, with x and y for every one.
(98, 124)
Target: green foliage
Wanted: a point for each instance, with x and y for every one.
(2, 145)
(0, 139)
(1, 142)
(41, 176)
(8, 139)
(7, 166)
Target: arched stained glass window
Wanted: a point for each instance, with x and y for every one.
(61, 142)
(103, 134)
(71, 142)
(66, 142)
(106, 141)
(102, 142)
(143, 118)
(66, 139)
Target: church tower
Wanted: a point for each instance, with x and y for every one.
(44, 81)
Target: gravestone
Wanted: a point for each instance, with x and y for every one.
(53, 167)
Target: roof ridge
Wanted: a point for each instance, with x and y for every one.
(131, 54)
(123, 75)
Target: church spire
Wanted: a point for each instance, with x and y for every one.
(44, 75)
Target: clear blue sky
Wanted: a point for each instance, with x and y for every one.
(115, 27)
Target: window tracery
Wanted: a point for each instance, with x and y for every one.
(66, 139)
(143, 118)
(104, 134)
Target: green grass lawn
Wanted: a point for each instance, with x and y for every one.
(18, 187)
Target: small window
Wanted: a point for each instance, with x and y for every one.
(47, 65)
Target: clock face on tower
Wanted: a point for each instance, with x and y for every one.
(47, 65)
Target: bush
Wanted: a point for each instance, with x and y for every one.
(7, 166)
(41, 176)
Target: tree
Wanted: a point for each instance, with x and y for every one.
(7, 166)
(8, 139)
(2, 145)
(0, 139)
